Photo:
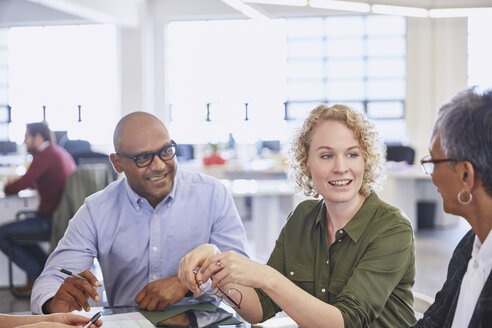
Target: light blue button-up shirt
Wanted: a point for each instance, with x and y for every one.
(135, 243)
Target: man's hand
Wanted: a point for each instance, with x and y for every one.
(74, 293)
(158, 294)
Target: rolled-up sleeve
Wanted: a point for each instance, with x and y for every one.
(75, 252)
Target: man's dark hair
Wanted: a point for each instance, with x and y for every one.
(41, 128)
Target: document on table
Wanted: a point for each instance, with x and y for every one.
(119, 320)
(126, 320)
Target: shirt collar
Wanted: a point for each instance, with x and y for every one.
(136, 200)
(359, 222)
(43, 146)
(482, 251)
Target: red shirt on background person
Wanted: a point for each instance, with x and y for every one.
(50, 168)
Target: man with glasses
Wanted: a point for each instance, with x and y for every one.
(139, 227)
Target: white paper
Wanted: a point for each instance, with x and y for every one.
(120, 320)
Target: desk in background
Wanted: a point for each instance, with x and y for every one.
(9, 206)
(271, 203)
(407, 185)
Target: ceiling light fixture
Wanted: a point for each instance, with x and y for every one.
(246, 10)
(459, 12)
(399, 10)
(362, 7)
(340, 5)
(297, 3)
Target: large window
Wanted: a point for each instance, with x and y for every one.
(60, 68)
(226, 77)
(353, 60)
(259, 80)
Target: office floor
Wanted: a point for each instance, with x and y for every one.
(433, 250)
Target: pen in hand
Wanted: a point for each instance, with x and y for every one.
(69, 273)
(93, 319)
(77, 276)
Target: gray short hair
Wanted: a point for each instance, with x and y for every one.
(465, 128)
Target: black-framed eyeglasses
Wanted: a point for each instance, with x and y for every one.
(166, 153)
(231, 296)
(428, 163)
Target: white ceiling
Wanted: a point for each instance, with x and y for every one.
(128, 12)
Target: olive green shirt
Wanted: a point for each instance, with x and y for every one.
(367, 273)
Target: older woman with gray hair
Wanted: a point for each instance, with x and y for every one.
(345, 259)
(460, 163)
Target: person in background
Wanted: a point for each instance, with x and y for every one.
(346, 259)
(50, 168)
(460, 164)
(139, 227)
(48, 321)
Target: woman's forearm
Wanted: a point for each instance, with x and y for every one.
(305, 309)
(250, 310)
(9, 321)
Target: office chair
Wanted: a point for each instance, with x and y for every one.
(8, 147)
(86, 180)
(23, 239)
(421, 302)
(271, 145)
(74, 146)
(400, 153)
(185, 152)
(92, 157)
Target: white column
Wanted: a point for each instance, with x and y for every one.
(436, 71)
(130, 66)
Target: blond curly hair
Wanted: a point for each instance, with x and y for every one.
(372, 150)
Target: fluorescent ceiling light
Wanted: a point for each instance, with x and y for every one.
(459, 12)
(340, 5)
(299, 3)
(401, 11)
(245, 9)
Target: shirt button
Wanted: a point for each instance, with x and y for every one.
(327, 262)
(341, 231)
(168, 204)
(339, 240)
(323, 290)
(138, 207)
(154, 277)
(155, 216)
(292, 273)
(154, 248)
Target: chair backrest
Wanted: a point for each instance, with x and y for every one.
(272, 145)
(92, 157)
(185, 152)
(421, 302)
(74, 146)
(8, 147)
(86, 180)
(400, 153)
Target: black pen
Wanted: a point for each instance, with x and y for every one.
(94, 319)
(69, 273)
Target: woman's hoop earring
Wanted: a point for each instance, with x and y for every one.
(470, 197)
